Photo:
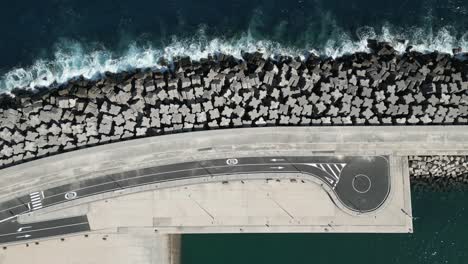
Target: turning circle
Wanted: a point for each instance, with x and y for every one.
(361, 183)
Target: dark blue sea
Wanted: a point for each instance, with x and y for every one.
(49, 41)
(54, 40)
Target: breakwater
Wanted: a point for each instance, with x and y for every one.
(439, 172)
(378, 88)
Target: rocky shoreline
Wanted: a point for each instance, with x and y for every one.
(438, 172)
(377, 88)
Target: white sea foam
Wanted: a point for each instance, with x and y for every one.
(75, 60)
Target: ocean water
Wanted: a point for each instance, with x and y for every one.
(54, 40)
(440, 236)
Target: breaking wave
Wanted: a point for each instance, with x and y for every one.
(73, 59)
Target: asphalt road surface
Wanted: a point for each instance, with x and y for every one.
(361, 184)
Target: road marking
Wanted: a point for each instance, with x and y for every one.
(22, 228)
(160, 173)
(144, 176)
(364, 177)
(339, 168)
(275, 160)
(150, 175)
(25, 236)
(232, 161)
(332, 169)
(70, 195)
(329, 180)
(36, 200)
(278, 167)
(6, 219)
(48, 228)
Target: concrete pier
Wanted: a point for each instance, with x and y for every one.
(135, 248)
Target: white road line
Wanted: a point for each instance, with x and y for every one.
(338, 168)
(35, 199)
(156, 182)
(275, 160)
(6, 219)
(24, 236)
(278, 167)
(321, 166)
(48, 228)
(161, 173)
(333, 173)
(155, 174)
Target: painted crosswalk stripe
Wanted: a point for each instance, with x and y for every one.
(36, 200)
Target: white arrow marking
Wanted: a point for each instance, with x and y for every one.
(275, 160)
(25, 236)
(279, 168)
(22, 228)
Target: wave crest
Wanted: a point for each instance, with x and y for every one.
(71, 59)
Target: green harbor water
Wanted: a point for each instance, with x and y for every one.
(440, 236)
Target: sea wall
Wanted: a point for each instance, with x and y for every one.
(377, 88)
(438, 171)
